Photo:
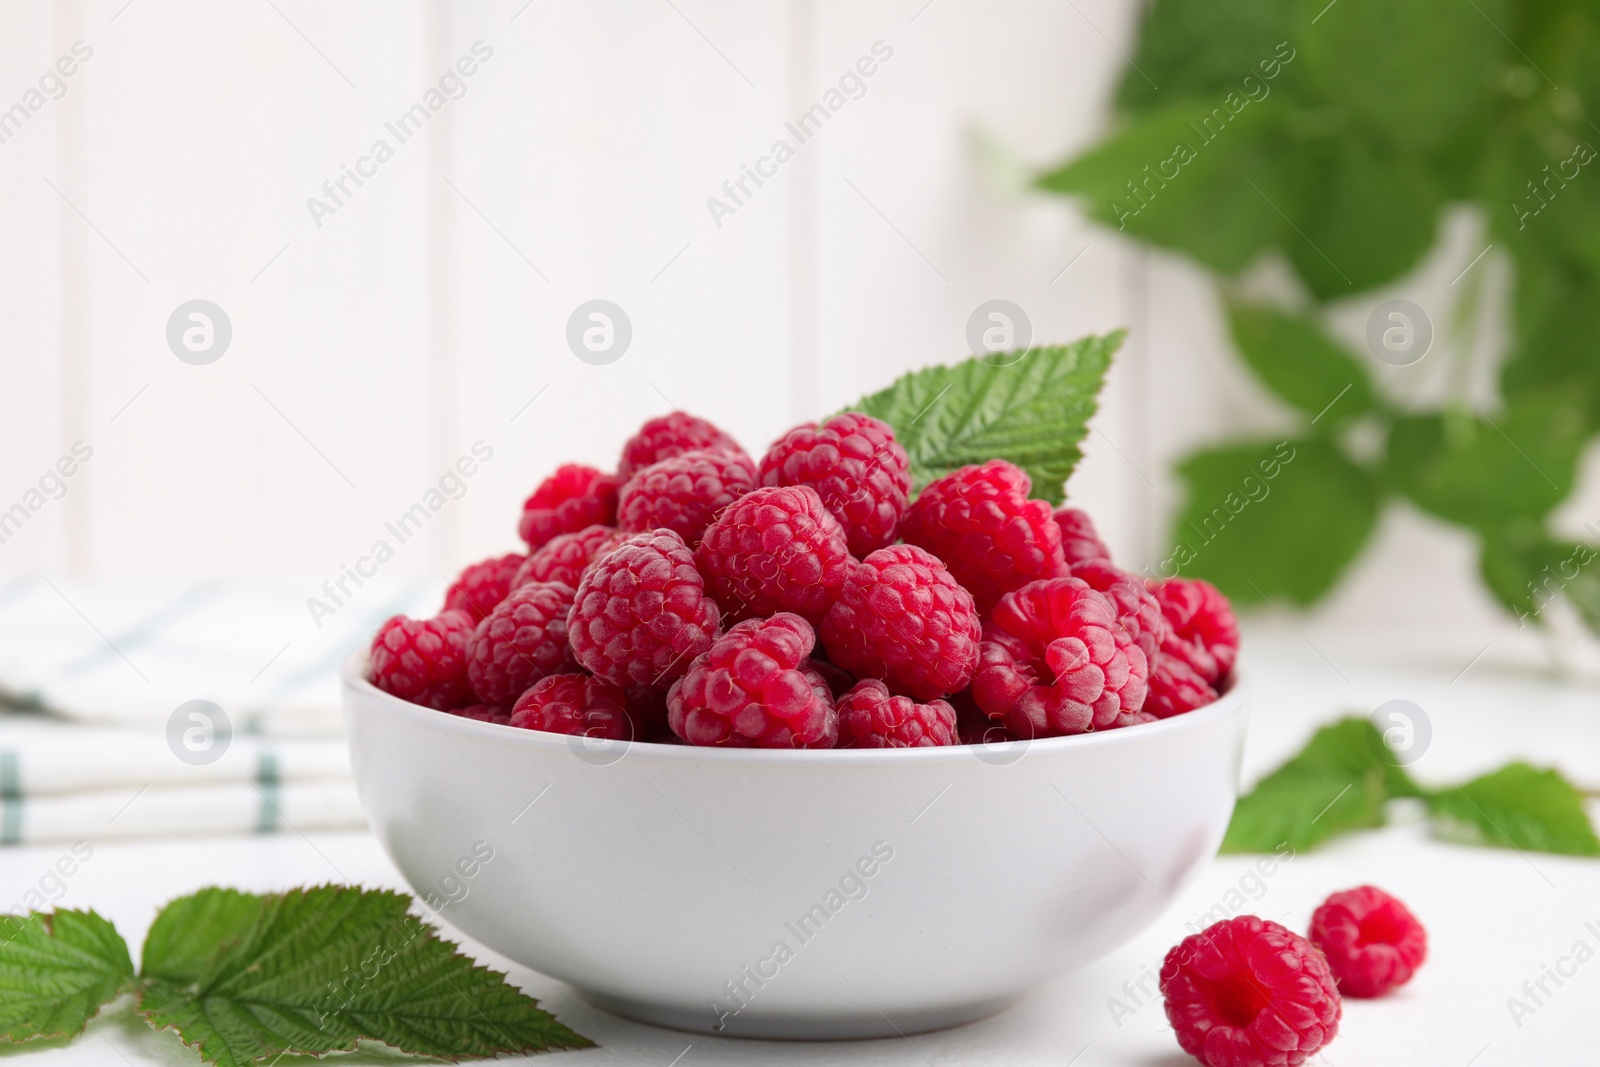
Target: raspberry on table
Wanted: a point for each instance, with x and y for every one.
(1175, 688)
(564, 557)
(1055, 660)
(520, 641)
(752, 689)
(775, 549)
(1137, 607)
(980, 522)
(684, 493)
(423, 660)
(573, 497)
(1372, 941)
(872, 717)
(573, 703)
(642, 613)
(902, 617)
(858, 469)
(481, 586)
(484, 713)
(1080, 542)
(1246, 992)
(1201, 628)
(672, 435)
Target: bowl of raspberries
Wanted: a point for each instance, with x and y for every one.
(795, 746)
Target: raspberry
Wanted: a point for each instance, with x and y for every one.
(903, 618)
(1246, 992)
(752, 689)
(1202, 630)
(980, 521)
(775, 549)
(483, 585)
(858, 469)
(575, 704)
(672, 435)
(869, 717)
(684, 493)
(839, 680)
(564, 557)
(1175, 688)
(423, 660)
(1055, 661)
(1372, 941)
(570, 499)
(642, 614)
(519, 642)
(1137, 608)
(484, 713)
(1080, 542)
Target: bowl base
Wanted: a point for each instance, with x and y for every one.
(797, 1026)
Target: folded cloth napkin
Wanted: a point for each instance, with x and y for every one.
(165, 811)
(128, 652)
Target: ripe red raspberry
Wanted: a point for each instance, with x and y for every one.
(572, 703)
(870, 717)
(858, 469)
(902, 617)
(752, 689)
(642, 614)
(484, 713)
(1137, 608)
(1202, 630)
(1246, 992)
(483, 585)
(519, 642)
(1372, 941)
(839, 680)
(1080, 542)
(980, 521)
(423, 660)
(1055, 660)
(672, 435)
(573, 497)
(684, 493)
(775, 549)
(564, 557)
(1175, 688)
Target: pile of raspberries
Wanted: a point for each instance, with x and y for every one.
(808, 600)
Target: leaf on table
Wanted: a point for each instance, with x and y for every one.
(1272, 518)
(244, 978)
(1031, 408)
(1194, 176)
(1517, 806)
(1295, 358)
(57, 969)
(1340, 781)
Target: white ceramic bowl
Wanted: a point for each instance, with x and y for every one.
(794, 894)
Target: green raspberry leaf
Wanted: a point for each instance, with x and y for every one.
(56, 970)
(1297, 360)
(1272, 518)
(1031, 408)
(1518, 807)
(1339, 782)
(244, 978)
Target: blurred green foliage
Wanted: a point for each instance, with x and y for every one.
(1333, 134)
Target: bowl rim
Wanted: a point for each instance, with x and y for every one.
(354, 681)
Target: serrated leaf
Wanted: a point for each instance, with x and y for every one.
(1298, 361)
(1486, 471)
(1340, 781)
(243, 978)
(1521, 807)
(57, 969)
(1272, 518)
(1194, 176)
(1192, 47)
(1031, 408)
